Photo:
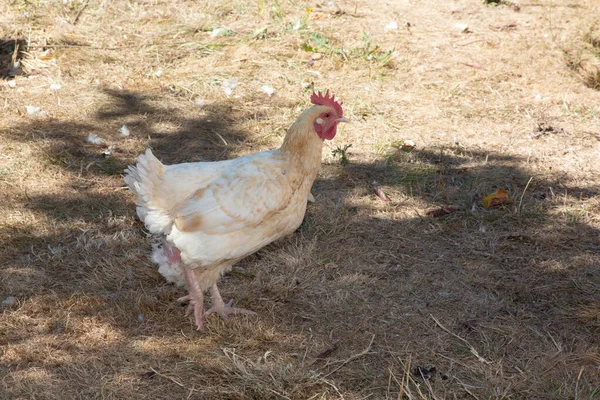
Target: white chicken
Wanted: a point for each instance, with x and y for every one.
(210, 215)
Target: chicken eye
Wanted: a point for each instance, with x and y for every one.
(327, 115)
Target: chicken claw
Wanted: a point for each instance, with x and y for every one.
(224, 310)
(187, 299)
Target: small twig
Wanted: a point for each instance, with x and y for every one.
(115, 187)
(558, 348)
(473, 65)
(523, 194)
(405, 376)
(83, 7)
(334, 387)
(404, 386)
(410, 379)
(452, 359)
(352, 357)
(468, 43)
(466, 389)
(389, 386)
(473, 351)
(172, 380)
(279, 394)
(577, 382)
(168, 377)
(221, 137)
(428, 385)
(63, 46)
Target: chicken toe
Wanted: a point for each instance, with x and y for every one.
(195, 298)
(222, 309)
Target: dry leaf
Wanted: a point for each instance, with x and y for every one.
(500, 198)
(440, 212)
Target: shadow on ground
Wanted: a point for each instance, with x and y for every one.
(517, 284)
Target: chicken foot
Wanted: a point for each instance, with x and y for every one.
(224, 310)
(195, 297)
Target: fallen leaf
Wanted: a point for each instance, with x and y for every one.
(327, 353)
(507, 27)
(379, 191)
(308, 48)
(441, 211)
(500, 198)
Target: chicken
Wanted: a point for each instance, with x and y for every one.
(210, 215)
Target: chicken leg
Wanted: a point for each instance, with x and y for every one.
(195, 297)
(224, 310)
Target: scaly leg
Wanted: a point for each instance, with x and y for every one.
(195, 298)
(224, 310)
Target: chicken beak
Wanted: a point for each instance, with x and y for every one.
(343, 119)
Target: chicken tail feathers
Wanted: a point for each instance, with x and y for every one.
(143, 179)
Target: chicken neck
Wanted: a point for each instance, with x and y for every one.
(302, 148)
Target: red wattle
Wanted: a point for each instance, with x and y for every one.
(327, 135)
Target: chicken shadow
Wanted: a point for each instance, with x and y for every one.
(99, 147)
(530, 265)
(543, 226)
(86, 206)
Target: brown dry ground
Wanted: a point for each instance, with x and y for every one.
(367, 299)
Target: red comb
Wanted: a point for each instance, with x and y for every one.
(319, 99)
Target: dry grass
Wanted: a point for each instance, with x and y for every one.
(368, 299)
